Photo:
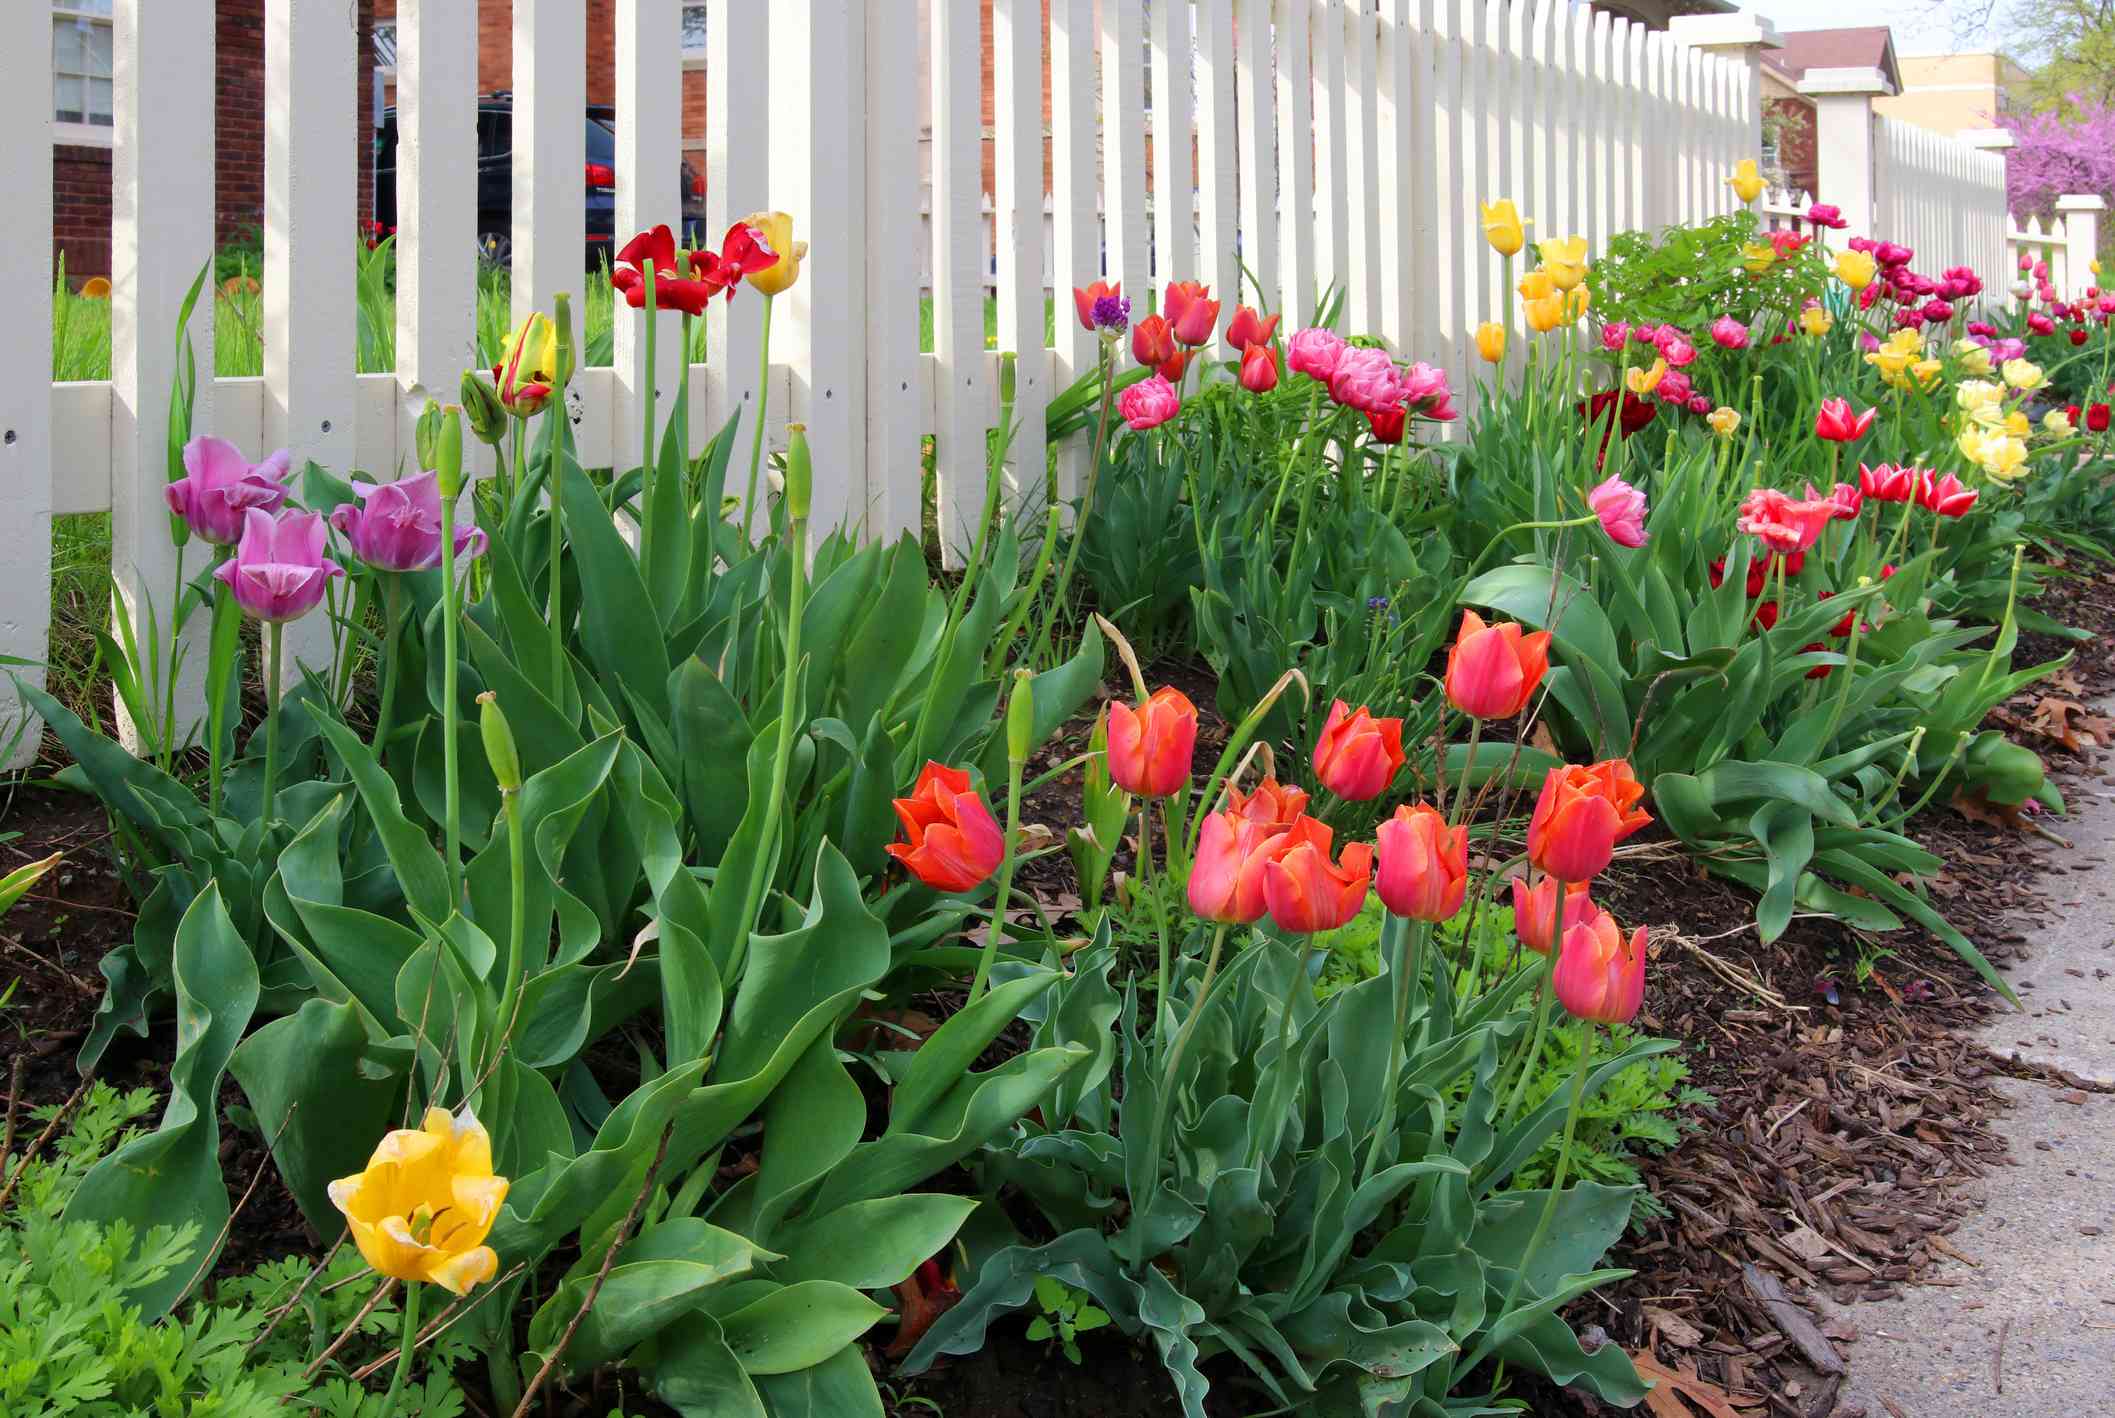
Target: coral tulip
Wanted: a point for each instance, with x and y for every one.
(1502, 225)
(1250, 327)
(1782, 523)
(1226, 879)
(1423, 867)
(397, 526)
(1621, 509)
(1273, 803)
(219, 486)
(1085, 298)
(1599, 975)
(1315, 352)
(1259, 369)
(1191, 311)
(1581, 815)
(1535, 911)
(1149, 403)
(278, 571)
(1357, 756)
(954, 842)
(1303, 890)
(1835, 421)
(423, 1206)
(1150, 746)
(1494, 670)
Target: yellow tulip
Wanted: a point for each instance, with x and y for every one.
(1747, 180)
(1502, 225)
(1856, 269)
(528, 366)
(1537, 285)
(2004, 457)
(2017, 424)
(1576, 303)
(1564, 259)
(1644, 381)
(1490, 341)
(777, 231)
(1925, 373)
(427, 1200)
(1974, 394)
(2094, 265)
(1758, 256)
(1545, 314)
(2023, 374)
(1816, 321)
(1974, 358)
(2056, 423)
(1724, 421)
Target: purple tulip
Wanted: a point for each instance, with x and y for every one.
(279, 570)
(397, 526)
(219, 485)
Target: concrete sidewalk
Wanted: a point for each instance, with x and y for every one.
(2028, 1331)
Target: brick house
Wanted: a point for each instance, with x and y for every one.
(83, 95)
(1788, 115)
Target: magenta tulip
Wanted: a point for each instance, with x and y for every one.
(219, 485)
(397, 526)
(279, 570)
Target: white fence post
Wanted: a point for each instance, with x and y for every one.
(899, 391)
(737, 157)
(961, 394)
(311, 191)
(649, 168)
(1741, 40)
(1843, 141)
(2080, 214)
(161, 233)
(1017, 96)
(25, 381)
(550, 155)
(436, 204)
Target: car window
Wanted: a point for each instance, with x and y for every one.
(494, 133)
(601, 142)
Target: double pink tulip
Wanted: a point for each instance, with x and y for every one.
(1315, 352)
(1149, 403)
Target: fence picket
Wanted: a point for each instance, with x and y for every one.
(436, 209)
(737, 161)
(1017, 92)
(649, 127)
(1332, 159)
(25, 385)
(1258, 152)
(960, 395)
(1217, 213)
(1174, 227)
(1296, 159)
(1124, 231)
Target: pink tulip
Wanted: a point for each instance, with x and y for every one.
(1679, 352)
(1781, 523)
(397, 526)
(1149, 403)
(1423, 872)
(1424, 388)
(219, 485)
(1599, 975)
(1729, 333)
(1315, 352)
(278, 571)
(1366, 380)
(1621, 509)
(1358, 756)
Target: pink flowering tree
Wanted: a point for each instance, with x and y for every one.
(2070, 150)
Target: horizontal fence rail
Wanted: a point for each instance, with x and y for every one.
(1324, 145)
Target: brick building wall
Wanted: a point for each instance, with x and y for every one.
(81, 175)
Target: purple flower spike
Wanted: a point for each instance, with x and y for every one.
(1111, 313)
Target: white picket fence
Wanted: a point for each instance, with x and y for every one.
(1941, 198)
(1337, 143)
(2069, 241)
(1784, 209)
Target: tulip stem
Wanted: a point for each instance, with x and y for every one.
(224, 613)
(1170, 1076)
(557, 579)
(646, 438)
(1549, 1202)
(408, 1336)
(1160, 926)
(517, 921)
(782, 750)
(1543, 991)
(1079, 528)
(982, 982)
(756, 435)
(451, 708)
(392, 620)
(271, 726)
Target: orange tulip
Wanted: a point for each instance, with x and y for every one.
(1535, 911)
(1226, 880)
(1493, 670)
(1248, 327)
(1424, 864)
(1581, 815)
(1358, 755)
(954, 841)
(1599, 975)
(1272, 803)
(1304, 891)
(1150, 746)
(1191, 311)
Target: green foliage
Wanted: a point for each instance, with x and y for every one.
(1689, 275)
(1066, 1314)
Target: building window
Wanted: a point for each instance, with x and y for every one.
(384, 43)
(694, 29)
(81, 45)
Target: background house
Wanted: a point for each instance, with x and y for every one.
(1955, 93)
(1788, 115)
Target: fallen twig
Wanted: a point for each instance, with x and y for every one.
(1997, 1358)
(14, 1100)
(299, 1290)
(205, 1262)
(351, 1328)
(57, 1119)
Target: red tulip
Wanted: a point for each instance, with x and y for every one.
(1259, 369)
(1838, 424)
(1304, 890)
(1150, 746)
(2097, 418)
(1818, 671)
(1226, 880)
(672, 288)
(1945, 496)
(1083, 298)
(1599, 975)
(1249, 328)
(1765, 617)
(1358, 755)
(1424, 864)
(954, 840)
(1535, 911)
(1272, 804)
(1191, 312)
(1783, 523)
(1388, 425)
(1887, 482)
(1581, 815)
(1153, 342)
(2078, 337)
(1493, 670)
(1847, 499)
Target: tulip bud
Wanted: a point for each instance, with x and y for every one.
(499, 743)
(488, 421)
(562, 323)
(1020, 718)
(448, 453)
(800, 473)
(1007, 376)
(426, 433)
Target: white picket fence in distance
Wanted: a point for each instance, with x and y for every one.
(1783, 208)
(1326, 143)
(2038, 241)
(1942, 199)
(2069, 240)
